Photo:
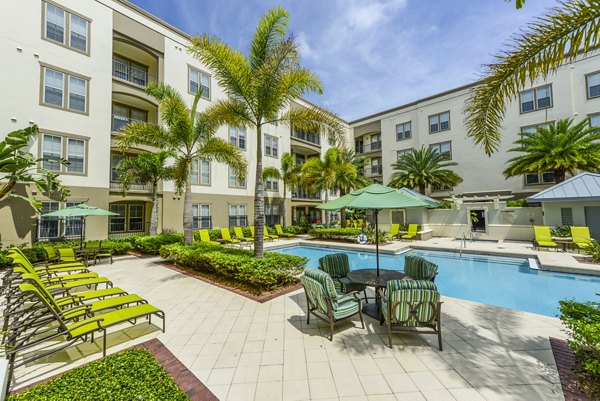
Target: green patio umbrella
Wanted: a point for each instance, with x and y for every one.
(377, 197)
(82, 210)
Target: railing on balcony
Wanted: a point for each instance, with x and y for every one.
(130, 73)
(119, 122)
(54, 228)
(238, 221)
(374, 170)
(133, 187)
(272, 219)
(200, 222)
(307, 136)
(121, 228)
(368, 147)
(303, 194)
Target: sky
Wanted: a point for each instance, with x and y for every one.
(371, 55)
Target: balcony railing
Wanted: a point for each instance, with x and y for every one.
(52, 228)
(200, 222)
(307, 136)
(238, 221)
(302, 194)
(119, 122)
(272, 219)
(135, 75)
(121, 228)
(133, 187)
(369, 147)
(374, 171)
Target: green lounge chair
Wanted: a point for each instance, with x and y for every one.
(281, 233)
(412, 232)
(239, 234)
(68, 255)
(97, 252)
(205, 238)
(337, 265)
(581, 237)
(265, 234)
(22, 265)
(418, 268)
(394, 230)
(543, 238)
(411, 305)
(323, 301)
(226, 237)
(52, 268)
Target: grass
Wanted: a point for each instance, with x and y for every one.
(129, 375)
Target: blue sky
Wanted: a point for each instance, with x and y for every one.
(371, 55)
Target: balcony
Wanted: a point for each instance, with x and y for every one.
(119, 122)
(116, 186)
(200, 222)
(306, 136)
(301, 194)
(119, 228)
(373, 171)
(369, 147)
(135, 74)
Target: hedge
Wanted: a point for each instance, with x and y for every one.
(150, 245)
(129, 375)
(274, 270)
(335, 233)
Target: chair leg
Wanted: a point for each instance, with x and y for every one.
(366, 299)
(362, 322)
(331, 330)
(389, 334)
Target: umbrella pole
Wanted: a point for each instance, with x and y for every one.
(377, 239)
(81, 233)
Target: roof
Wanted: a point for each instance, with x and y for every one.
(585, 186)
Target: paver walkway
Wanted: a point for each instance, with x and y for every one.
(244, 350)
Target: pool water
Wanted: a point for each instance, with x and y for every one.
(493, 280)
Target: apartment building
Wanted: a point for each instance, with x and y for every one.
(78, 69)
(438, 122)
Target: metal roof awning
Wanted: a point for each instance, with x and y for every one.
(582, 187)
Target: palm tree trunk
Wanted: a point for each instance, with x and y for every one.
(188, 230)
(259, 199)
(154, 214)
(559, 175)
(283, 206)
(327, 212)
(422, 188)
(343, 210)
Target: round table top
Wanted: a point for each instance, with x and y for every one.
(369, 276)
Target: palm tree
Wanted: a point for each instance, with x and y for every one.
(349, 182)
(560, 147)
(188, 135)
(539, 50)
(326, 174)
(289, 174)
(423, 167)
(261, 89)
(146, 167)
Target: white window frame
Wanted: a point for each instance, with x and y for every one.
(238, 183)
(534, 91)
(68, 155)
(67, 27)
(199, 83)
(238, 137)
(401, 131)
(64, 152)
(592, 117)
(272, 184)
(198, 210)
(439, 122)
(402, 152)
(200, 169)
(438, 146)
(587, 84)
(65, 90)
(272, 146)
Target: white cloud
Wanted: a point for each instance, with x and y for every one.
(366, 14)
(306, 51)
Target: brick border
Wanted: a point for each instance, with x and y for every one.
(181, 375)
(565, 362)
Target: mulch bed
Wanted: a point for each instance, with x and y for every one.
(264, 297)
(182, 376)
(565, 362)
(586, 259)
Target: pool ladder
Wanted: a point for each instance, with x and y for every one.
(463, 244)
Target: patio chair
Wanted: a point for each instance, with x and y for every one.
(21, 264)
(412, 232)
(581, 237)
(52, 268)
(265, 234)
(281, 233)
(323, 301)
(418, 268)
(543, 238)
(337, 265)
(226, 237)
(408, 305)
(68, 255)
(239, 234)
(394, 231)
(205, 237)
(99, 252)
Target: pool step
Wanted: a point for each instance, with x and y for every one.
(533, 264)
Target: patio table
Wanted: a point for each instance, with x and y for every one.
(565, 242)
(370, 278)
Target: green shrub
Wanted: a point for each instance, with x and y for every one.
(150, 245)
(294, 230)
(35, 254)
(582, 321)
(561, 231)
(335, 233)
(273, 271)
(118, 247)
(129, 375)
(593, 249)
(517, 203)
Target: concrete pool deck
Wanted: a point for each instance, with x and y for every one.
(244, 350)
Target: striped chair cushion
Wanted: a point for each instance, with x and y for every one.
(413, 302)
(347, 306)
(326, 282)
(314, 293)
(418, 268)
(336, 264)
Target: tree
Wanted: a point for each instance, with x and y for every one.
(326, 174)
(18, 166)
(146, 167)
(289, 174)
(261, 89)
(188, 135)
(560, 147)
(539, 50)
(349, 182)
(421, 168)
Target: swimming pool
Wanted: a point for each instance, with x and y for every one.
(493, 280)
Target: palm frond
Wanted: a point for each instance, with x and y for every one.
(421, 168)
(229, 112)
(222, 151)
(271, 172)
(269, 33)
(315, 119)
(142, 133)
(539, 50)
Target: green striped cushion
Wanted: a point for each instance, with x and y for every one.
(336, 264)
(314, 293)
(416, 302)
(418, 268)
(326, 282)
(345, 307)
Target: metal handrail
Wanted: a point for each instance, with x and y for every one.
(130, 73)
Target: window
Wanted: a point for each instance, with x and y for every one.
(439, 122)
(117, 223)
(123, 115)
(200, 174)
(73, 225)
(59, 21)
(595, 120)
(437, 188)
(234, 181)
(237, 137)
(376, 142)
(237, 216)
(136, 217)
(114, 162)
(74, 150)
(57, 83)
(201, 217)
(566, 216)
(271, 146)
(536, 99)
(48, 227)
(333, 192)
(593, 85)
(272, 184)
(271, 214)
(403, 131)
(403, 152)
(199, 79)
(542, 178)
(376, 166)
(444, 148)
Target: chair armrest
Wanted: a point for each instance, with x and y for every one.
(87, 321)
(381, 292)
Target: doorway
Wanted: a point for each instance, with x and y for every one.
(478, 223)
(592, 220)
